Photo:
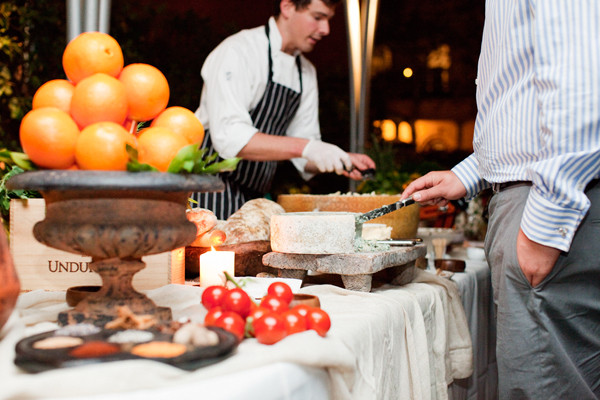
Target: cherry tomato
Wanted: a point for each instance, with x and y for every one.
(302, 309)
(294, 322)
(213, 296)
(256, 313)
(318, 320)
(213, 315)
(269, 328)
(281, 290)
(232, 322)
(273, 303)
(238, 301)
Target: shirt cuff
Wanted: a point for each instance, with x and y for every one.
(300, 164)
(228, 145)
(546, 223)
(467, 172)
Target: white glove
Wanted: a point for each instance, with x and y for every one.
(327, 157)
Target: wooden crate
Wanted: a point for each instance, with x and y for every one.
(43, 267)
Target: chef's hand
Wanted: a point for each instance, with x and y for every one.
(438, 188)
(360, 162)
(536, 260)
(327, 157)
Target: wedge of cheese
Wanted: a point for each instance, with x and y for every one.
(376, 232)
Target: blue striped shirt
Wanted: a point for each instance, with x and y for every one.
(538, 98)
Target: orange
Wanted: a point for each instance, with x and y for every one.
(55, 93)
(101, 146)
(157, 146)
(48, 136)
(90, 53)
(147, 91)
(181, 121)
(99, 98)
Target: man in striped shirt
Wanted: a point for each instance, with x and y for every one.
(537, 144)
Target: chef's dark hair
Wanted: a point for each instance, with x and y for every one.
(300, 4)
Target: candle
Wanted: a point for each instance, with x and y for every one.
(212, 265)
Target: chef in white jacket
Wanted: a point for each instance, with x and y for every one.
(260, 103)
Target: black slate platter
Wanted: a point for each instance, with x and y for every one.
(34, 360)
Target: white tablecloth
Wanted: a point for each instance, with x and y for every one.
(406, 342)
(476, 292)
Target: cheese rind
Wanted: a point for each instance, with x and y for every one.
(313, 232)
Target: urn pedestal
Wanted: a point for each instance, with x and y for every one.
(116, 218)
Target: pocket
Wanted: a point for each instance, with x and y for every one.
(554, 270)
(515, 265)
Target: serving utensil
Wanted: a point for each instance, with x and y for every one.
(378, 212)
(360, 219)
(401, 242)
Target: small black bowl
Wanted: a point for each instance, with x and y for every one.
(77, 293)
(451, 265)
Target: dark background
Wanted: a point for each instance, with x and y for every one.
(176, 36)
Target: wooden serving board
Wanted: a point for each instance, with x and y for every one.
(355, 269)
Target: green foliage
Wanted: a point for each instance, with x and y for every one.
(389, 178)
(6, 195)
(28, 45)
(189, 159)
(396, 168)
(18, 159)
(13, 163)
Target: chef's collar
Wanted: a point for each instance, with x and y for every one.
(276, 39)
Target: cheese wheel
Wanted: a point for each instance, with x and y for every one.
(313, 232)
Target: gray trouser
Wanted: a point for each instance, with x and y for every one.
(548, 344)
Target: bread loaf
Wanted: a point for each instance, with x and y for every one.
(251, 222)
(214, 237)
(203, 218)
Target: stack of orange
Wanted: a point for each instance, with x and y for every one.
(86, 122)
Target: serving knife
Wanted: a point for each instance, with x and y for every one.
(378, 212)
(401, 242)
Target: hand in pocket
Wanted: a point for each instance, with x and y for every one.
(536, 260)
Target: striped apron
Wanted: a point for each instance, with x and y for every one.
(252, 179)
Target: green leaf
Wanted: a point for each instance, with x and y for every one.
(6, 195)
(136, 166)
(22, 160)
(192, 159)
(131, 152)
(223, 166)
(184, 157)
(16, 158)
(188, 166)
